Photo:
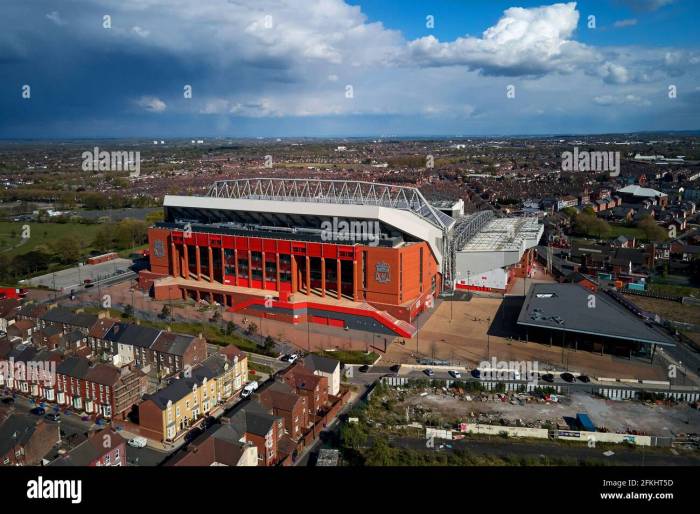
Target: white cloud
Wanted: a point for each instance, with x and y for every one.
(55, 17)
(151, 103)
(647, 5)
(614, 73)
(631, 22)
(532, 41)
(140, 31)
(628, 99)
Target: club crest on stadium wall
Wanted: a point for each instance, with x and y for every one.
(381, 270)
(158, 248)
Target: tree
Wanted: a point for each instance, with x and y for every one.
(128, 311)
(104, 239)
(652, 231)
(251, 329)
(381, 454)
(67, 249)
(165, 312)
(269, 344)
(230, 328)
(352, 436)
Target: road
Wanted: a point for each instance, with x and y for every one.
(548, 450)
(257, 358)
(416, 373)
(70, 423)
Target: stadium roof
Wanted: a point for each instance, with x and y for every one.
(403, 208)
(568, 307)
(334, 192)
(505, 234)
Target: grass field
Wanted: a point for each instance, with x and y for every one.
(12, 243)
(351, 357)
(667, 309)
(628, 232)
(675, 290)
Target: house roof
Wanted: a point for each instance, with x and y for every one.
(135, 335)
(16, 430)
(253, 418)
(641, 191)
(181, 387)
(221, 444)
(102, 327)
(279, 395)
(91, 449)
(172, 343)
(321, 363)
(76, 367)
(68, 317)
(104, 374)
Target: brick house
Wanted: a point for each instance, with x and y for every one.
(101, 389)
(220, 445)
(66, 320)
(170, 412)
(25, 439)
(306, 383)
(281, 400)
(103, 448)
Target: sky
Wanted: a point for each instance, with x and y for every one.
(346, 68)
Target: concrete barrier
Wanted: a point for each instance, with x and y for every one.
(603, 437)
(438, 433)
(476, 428)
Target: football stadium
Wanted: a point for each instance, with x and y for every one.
(350, 254)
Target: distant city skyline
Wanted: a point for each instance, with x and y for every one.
(334, 68)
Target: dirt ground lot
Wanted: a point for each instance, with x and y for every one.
(667, 309)
(616, 416)
(479, 331)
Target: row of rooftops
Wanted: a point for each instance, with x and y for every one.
(109, 329)
(75, 366)
(225, 442)
(212, 367)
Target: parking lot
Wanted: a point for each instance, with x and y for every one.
(73, 278)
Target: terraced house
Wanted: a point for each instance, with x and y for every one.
(101, 389)
(160, 352)
(173, 410)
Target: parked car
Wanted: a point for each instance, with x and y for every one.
(429, 372)
(364, 368)
(548, 377)
(476, 373)
(455, 374)
(8, 401)
(568, 377)
(395, 368)
(53, 416)
(138, 442)
(584, 378)
(38, 411)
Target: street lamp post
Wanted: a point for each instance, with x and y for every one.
(488, 339)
